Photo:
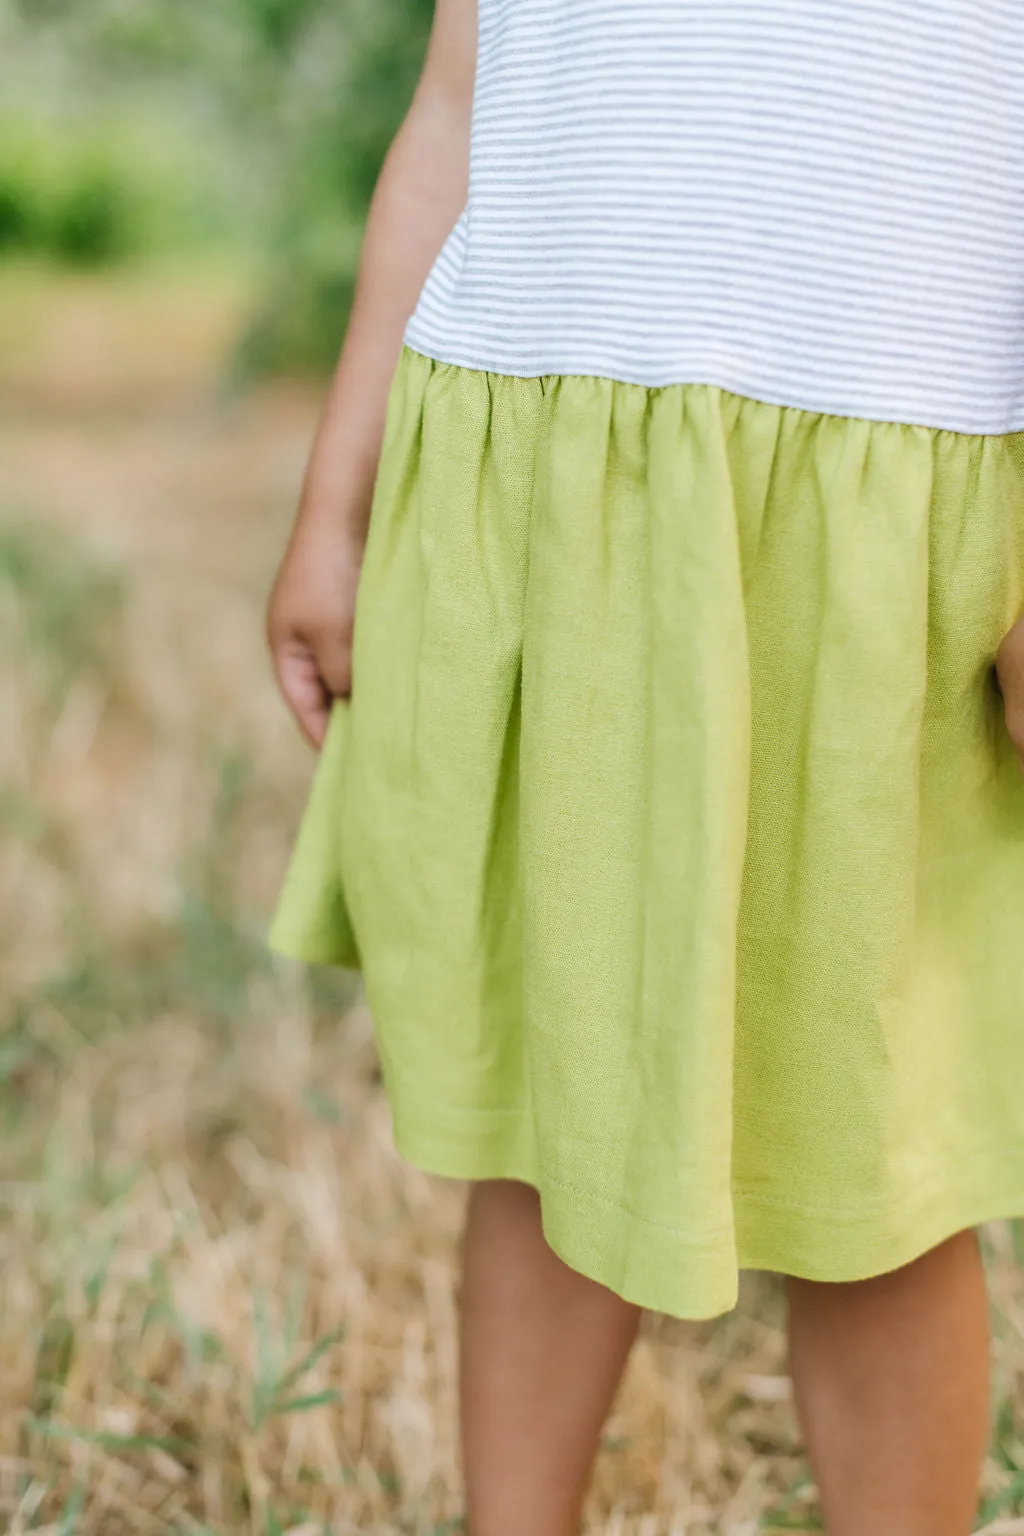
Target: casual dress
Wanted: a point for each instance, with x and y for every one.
(674, 821)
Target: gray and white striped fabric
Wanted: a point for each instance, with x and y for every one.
(817, 203)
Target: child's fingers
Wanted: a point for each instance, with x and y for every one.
(1013, 710)
(1010, 679)
(333, 652)
(1015, 727)
(305, 692)
(1014, 713)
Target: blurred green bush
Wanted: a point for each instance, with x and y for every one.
(81, 200)
(257, 126)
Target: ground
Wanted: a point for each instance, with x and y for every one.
(225, 1305)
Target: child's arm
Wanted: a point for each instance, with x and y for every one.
(419, 196)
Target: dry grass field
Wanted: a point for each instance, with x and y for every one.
(225, 1306)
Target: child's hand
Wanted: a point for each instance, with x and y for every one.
(1010, 671)
(310, 620)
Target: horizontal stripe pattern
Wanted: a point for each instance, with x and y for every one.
(816, 203)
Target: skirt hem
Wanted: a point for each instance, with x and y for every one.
(696, 1278)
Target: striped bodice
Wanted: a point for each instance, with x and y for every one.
(816, 203)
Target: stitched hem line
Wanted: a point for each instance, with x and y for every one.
(693, 1272)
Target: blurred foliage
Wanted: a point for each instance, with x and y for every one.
(323, 211)
(82, 200)
(257, 124)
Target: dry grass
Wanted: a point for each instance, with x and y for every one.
(226, 1307)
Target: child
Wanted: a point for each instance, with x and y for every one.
(669, 795)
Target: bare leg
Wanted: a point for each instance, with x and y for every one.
(891, 1380)
(542, 1353)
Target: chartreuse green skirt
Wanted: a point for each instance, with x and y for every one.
(675, 826)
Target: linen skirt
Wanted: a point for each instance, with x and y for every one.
(675, 826)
